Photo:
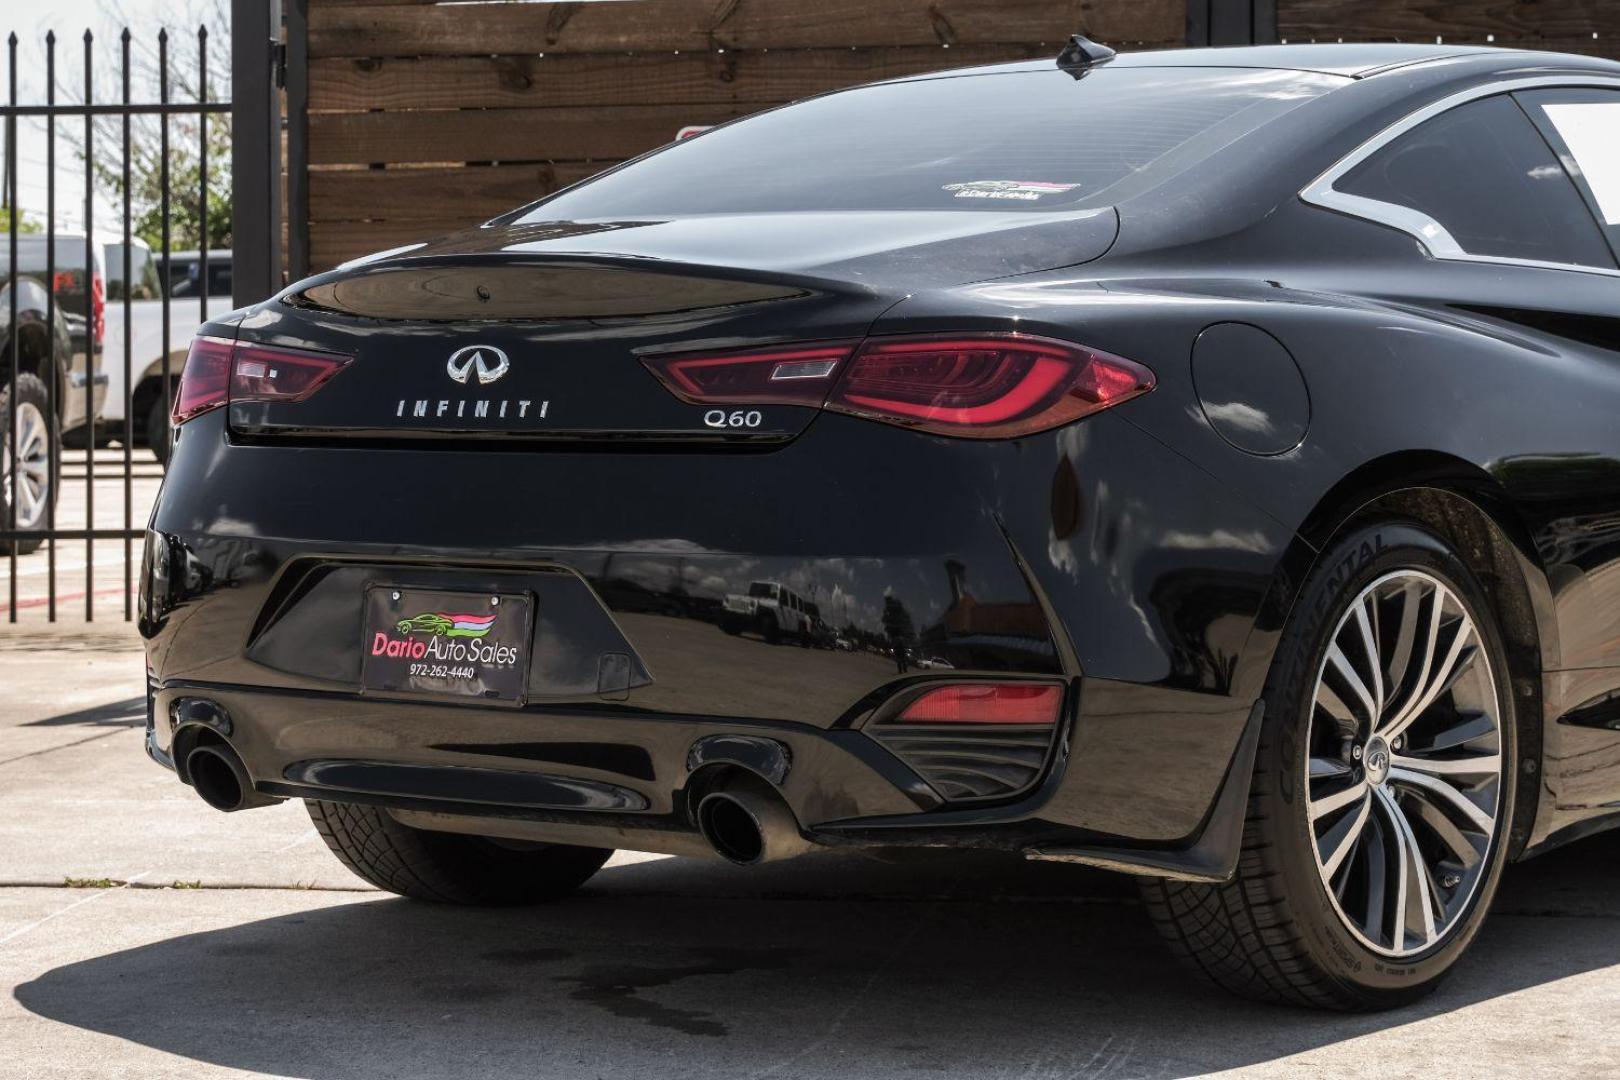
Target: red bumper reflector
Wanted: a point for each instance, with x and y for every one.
(985, 703)
(218, 371)
(980, 386)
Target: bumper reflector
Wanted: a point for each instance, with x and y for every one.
(985, 703)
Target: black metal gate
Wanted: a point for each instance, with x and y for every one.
(71, 514)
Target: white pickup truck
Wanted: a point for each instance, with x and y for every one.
(145, 369)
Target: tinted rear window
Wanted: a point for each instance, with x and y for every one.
(1025, 140)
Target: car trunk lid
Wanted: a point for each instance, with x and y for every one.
(525, 332)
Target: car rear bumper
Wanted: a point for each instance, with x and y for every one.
(258, 557)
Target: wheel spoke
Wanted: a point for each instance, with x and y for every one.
(1369, 646)
(1386, 805)
(1478, 765)
(1441, 678)
(1400, 656)
(1377, 874)
(1443, 828)
(1418, 886)
(1474, 725)
(1425, 649)
(1341, 663)
(1340, 840)
(1446, 795)
(1331, 703)
(1322, 768)
(1337, 801)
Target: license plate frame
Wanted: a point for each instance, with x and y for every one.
(446, 645)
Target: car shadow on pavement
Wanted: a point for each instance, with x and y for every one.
(118, 713)
(826, 966)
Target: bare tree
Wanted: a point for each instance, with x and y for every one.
(191, 64)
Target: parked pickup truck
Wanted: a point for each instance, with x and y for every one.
(186, 312)
(53, 400)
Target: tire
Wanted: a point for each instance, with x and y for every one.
(41, 450)
(450, 868)
(157, 431)
(1279, 931)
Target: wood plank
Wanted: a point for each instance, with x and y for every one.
(480, 191)
(667, 25)
(460, 82)
(331, 243)
(608, 133)
(1512, 22)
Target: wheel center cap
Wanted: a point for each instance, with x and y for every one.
(1376, 760)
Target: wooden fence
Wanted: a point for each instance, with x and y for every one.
(424, 117)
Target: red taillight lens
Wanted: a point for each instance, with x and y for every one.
(799, 375)
(205, 380)
(218, 371)
(985, 703)
(98, 307)
(284, 375)
(988, 386)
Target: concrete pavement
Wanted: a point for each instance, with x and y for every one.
(143, 935)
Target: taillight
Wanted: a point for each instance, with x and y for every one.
(219, 371)
(261, 373)
(984, 387)
(984, 703)
(981, 386)
(205, 380)
(98, 307)
(794, 376)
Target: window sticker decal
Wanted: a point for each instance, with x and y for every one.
(1019, 190)
(1592, 132)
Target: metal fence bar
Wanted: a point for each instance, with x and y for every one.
(183, 108)
(13, 417)
(129, 355)
(167, 277)
(53, 390)
(91, 336)
(108, 128)
(202, 177)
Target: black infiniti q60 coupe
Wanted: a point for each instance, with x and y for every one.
(1202, 465)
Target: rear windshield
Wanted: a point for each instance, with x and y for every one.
(1023, 140)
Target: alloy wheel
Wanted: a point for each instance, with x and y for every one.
(1404, 767)
(32, 486)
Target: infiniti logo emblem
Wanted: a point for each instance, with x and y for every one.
(490, 363)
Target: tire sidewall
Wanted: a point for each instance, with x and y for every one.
(158, 434)
(30, 390)
(1366, 553)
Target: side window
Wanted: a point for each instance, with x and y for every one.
(219, 279)
(1484, 173)
(1583, 126)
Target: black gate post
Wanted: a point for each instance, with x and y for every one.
(255, 150)
(1231, 22)
(297, 70)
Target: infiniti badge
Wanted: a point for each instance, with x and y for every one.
(490, 362)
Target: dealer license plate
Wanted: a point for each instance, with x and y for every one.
(446, 644)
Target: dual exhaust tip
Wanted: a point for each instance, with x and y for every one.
(748, 823)
(744, 820)
(221, 780)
